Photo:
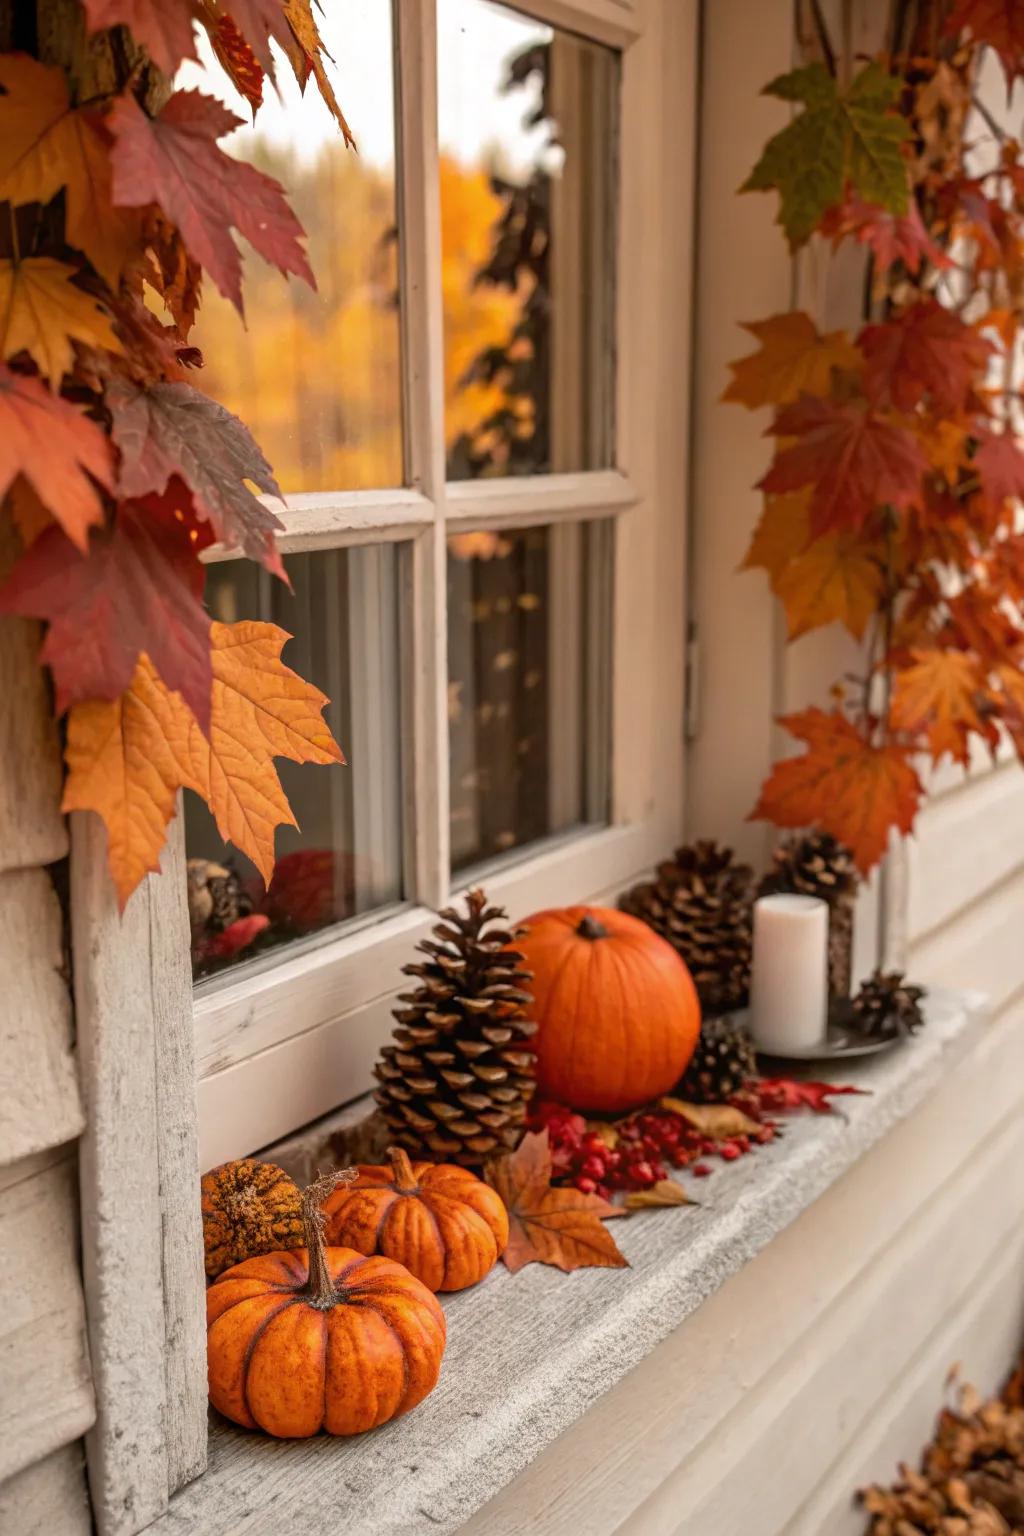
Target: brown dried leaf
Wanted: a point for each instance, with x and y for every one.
(719, 1121)
(666, 1192)
(561, 1227)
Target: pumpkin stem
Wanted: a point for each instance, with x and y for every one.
(319, 1287)
(589, 928)
(401, 1167)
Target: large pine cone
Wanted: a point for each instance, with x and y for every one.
(456, 1083)
(701, 903)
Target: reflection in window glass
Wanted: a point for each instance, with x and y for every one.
(316, 375)
(528, 685)
(526, 124)
(344, 857)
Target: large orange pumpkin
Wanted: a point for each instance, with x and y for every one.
(320, 1338)
(443, 1223)
(617, 1009)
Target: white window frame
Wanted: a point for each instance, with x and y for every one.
(282, 1045)
(273, 1049)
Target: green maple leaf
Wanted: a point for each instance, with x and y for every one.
(841, 137)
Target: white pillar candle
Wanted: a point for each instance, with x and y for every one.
(789, 973)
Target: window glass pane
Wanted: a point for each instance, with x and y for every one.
(316, 375)
(528, 685)
(344, 858)
(527, 118)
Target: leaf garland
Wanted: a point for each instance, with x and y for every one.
(893, 492)
(116, 472)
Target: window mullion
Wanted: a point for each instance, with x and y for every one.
(423, 368)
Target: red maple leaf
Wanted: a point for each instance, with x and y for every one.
(1000, 464)
(783, 1095)
(997, 24)
(237, 60)
(259, 21)
(59, 450)
(169, 429)
(856, 791)
(139, 588)
(174, 160)
(164, 30)
(854, 458)
(926, 350)
(890, 237)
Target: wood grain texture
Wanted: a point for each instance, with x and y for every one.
(142, 1237)
(40, 1102)
(50, 1498)
(529, 1354)
(32, 830)
(177, 1135)
(120, 1177)
(46, 1397)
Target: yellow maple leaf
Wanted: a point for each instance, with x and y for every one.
(46, 144)
(939, 695)
(793, 359)
(310, 57)
(834, 579)
(782, 533)
(128, 757)
(41, 311)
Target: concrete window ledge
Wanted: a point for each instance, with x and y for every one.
(766, 1351)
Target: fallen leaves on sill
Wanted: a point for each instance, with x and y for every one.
(720, 1122)
(561, 1227)
(783, 1095)
(971, 1480)
(665, 1193)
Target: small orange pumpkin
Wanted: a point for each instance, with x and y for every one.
(443, 1223)
(617, 1010)
(248, 1207)
(320, 1338)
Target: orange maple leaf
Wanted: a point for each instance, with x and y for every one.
(939, 695)
(42, 311)
(57, 449)
(46, 144)
(127, 758)
(793, 359)
(836, 579)
(843, 784)
(561, 1227)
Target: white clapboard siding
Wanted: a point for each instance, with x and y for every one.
(50, 1498)
(980, 947)
(40, 1105)
(968, 841)
(734, 1422)
(46, 1397)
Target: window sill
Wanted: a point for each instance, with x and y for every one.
(529, 1354)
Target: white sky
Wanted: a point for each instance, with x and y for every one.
(475, 39)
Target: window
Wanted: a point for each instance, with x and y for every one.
(483, 527)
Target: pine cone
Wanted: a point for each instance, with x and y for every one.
(723, 1061)
(888, 1002)
(700, 903)
(456, 1083)
(216, 897)
(819, 865)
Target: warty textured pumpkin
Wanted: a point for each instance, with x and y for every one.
(248, 1207)
(617, 1010)
(320, 1338)
(443, 1223)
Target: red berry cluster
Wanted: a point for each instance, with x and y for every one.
(636, 1153)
